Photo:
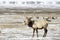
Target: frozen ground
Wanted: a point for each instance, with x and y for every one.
(18, 32)
(25, 33)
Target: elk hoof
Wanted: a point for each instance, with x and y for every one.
(44, 35)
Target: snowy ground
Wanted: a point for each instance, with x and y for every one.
(13, 31)
(25, 33)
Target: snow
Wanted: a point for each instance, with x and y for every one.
(26, 34)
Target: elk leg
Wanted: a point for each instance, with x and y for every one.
(37, 32)
(45, 32)
(33, 32)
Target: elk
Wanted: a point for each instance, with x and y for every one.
(38, 24)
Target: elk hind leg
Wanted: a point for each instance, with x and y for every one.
(45, 32)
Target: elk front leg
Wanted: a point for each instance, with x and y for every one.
(37, 32)
(33, 32)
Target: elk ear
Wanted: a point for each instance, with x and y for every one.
(53, 18)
